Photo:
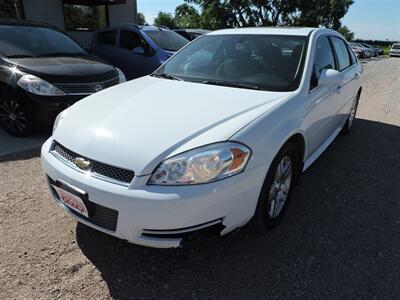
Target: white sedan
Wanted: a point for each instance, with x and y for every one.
(216, 137)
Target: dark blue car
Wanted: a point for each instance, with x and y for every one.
(136, 50)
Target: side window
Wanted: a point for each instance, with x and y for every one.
(342, 53)
(107, 37)
(323, 59)
(130, 40)
(353, 57)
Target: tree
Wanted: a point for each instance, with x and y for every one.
(186, 16)
(346, 32)
(241, 13)
(141, 19)
(165, 19)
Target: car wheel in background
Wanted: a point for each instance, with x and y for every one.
(350, 119)
(15, 116)
(277, 188)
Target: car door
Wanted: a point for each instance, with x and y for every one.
(322, 98)
(350, 75)
(134, 56)
(105, 45)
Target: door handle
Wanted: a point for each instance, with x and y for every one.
(339, 87)
(356, 75)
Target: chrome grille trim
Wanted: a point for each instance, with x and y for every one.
(82, 89)
(98, 170)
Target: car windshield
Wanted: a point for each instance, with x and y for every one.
(24, 41)
(265, 62)
(167, 40)
(396, 46)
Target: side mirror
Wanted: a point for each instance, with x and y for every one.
(329, 76)
(139, 50)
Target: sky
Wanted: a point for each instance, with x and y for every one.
(368, 19)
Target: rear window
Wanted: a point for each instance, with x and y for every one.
(167, 40)
(107, 37)
(396, 46)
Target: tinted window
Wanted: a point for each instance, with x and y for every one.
(107, 37)
(324, 58)
(266, 62)
(167, 40)
(341, 53)
(34, 41)
(131, 40)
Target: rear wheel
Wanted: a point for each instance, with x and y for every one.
(15, 116)
(350, 120)
(277, 189)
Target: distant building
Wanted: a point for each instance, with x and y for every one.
(77, 17)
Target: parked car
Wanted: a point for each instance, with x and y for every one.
(395, 50)
(191, 34)
(205, 146)
(371, 52)
(376, 50)
(136, 50)
(359, 51)
(43, 71)
(380, 50)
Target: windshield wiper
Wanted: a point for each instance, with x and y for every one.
(166, 76)
(19, 56)
(232, 84)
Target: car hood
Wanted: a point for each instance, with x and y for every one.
(66, 69)
(138, 124)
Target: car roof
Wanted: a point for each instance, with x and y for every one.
(193, 30)
(135, 26)
(300, 31)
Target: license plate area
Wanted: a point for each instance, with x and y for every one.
(74, 199)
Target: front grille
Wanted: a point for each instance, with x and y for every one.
(86, 88)
(102, 216)
(97, 168)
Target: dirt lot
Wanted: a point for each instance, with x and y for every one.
(340, 237)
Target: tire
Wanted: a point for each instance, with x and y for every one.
(350, 119)
(270, 209)
(15, 116)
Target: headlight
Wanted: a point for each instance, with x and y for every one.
(201, 165)
(58, 119)
(121, 75)
(38, 86)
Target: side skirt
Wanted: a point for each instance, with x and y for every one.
(322, 148)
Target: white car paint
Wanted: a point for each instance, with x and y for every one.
(138, 124)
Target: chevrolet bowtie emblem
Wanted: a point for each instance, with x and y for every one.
(82, 163)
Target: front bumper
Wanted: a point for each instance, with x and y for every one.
(155, 215)
(394, 53)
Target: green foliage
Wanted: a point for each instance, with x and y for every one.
(186, 16)
(141, 19)
(165, 19)
(242, 13)
(346, 32)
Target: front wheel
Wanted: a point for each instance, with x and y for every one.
(15, 116)
(277, 189)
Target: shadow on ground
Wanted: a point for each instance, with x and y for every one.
(339, 238)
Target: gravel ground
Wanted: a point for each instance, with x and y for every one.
(340, 237)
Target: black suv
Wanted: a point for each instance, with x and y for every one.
(43, 71)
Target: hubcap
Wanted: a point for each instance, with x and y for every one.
(12, 115)
(280, 187)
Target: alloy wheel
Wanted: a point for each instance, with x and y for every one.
(280, 187)
(12, 116)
